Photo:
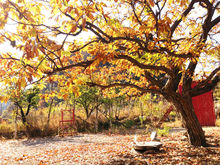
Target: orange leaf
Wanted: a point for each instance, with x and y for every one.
(65, 96)
(73, 29)
(151, 2)
(76, 11)
(83, 22)
(30, 79)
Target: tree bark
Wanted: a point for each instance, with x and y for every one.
(185, 107)
(48, 117)
(16, 124)
(96, 121)
(110, 116)
(24, 120)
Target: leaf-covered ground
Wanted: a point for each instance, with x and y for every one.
(109, 149)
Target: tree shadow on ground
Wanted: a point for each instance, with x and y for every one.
(52, 140)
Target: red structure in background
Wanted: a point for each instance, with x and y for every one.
(66, 125)
(164, 116)
(204, 108)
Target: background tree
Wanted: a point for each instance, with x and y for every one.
(112, 107)
(89, 99)
(28, 100)
(140, 45)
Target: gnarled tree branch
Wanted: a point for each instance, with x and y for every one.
(143, 66)
(143, 90)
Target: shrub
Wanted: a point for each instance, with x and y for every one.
(6, 129)
(164, 131)
(129, 123)
(217, 123)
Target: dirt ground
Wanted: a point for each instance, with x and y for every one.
(86, 149)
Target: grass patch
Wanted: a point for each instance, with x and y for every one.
(217, 123)
(175, 124)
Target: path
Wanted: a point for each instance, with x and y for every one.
(106, 149)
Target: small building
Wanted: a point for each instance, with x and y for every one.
(204, 108)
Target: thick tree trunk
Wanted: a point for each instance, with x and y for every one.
(185, 107)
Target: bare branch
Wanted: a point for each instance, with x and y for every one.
(74, 51)
(9, 58)
(135, 14)
(208, 87)
(215, 22)
(187, 79)
(208, 79)
(21, 14)
(83, 64)
(208, 23)
(153, 80)
(54, 29)
(143, 90)
(91, 26)
(185, 13)
(143, 66)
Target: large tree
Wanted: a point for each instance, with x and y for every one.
(140, 45)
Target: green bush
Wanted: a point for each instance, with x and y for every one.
(164, 131)
(129, 123)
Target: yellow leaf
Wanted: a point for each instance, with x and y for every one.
(170, 1)
(33, 32)
(184, 18)
(23, 82)
(6, 99)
